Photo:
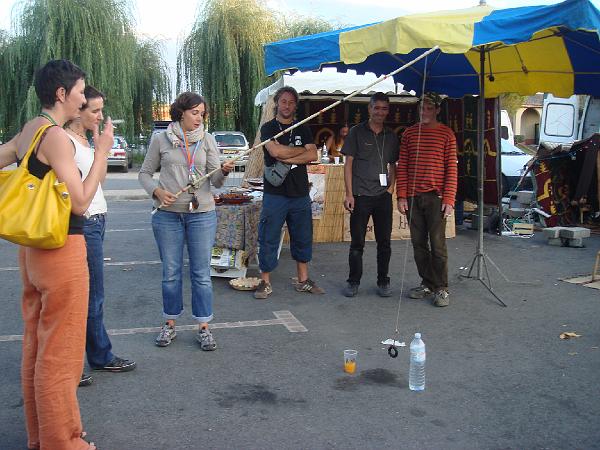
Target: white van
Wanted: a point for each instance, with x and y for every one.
(506, 129)
(563, 123)
(560, 120)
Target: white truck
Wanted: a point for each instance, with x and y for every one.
(565, 120)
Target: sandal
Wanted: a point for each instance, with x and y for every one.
(92, 446)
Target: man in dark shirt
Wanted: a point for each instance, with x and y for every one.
(371, 151)
(289, 202)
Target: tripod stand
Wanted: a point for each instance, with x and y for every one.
(480, 257)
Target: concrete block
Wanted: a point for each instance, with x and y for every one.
(577, 242)
(525, 197)
(556, 242)
(552, 232)
(575, 233)
(516, 212)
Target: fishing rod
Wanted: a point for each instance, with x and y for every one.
(203, 178)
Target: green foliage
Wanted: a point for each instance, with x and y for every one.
(223, 57)
(98, 36)
(302, 26)
(511, 103)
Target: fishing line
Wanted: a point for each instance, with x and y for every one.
(392, 349)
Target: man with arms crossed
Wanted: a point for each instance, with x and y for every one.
(426, 180)
(371, 151)
(289, 202)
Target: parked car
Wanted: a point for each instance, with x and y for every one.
(120, 154)
(231, 144)
(158, 127)
(513, 163)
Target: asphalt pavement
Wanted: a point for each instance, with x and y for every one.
(497, 377)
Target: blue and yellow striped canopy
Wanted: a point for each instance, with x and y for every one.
(531, 49)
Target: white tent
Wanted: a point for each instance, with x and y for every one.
(328, 81)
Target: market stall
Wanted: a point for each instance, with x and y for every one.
(567, 181)
(236, 241)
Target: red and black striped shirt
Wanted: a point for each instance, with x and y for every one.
(427, 163)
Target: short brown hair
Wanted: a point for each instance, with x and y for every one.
(184, 102)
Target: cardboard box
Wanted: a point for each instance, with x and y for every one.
(399, 227)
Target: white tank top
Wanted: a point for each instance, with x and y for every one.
(84, 157)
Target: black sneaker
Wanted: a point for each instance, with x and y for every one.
(351, 290)
(117, 365)
(85, 380)
(384, 290)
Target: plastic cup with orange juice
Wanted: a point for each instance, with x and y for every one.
(350, 361)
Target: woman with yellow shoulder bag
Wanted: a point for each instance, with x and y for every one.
(55, 279)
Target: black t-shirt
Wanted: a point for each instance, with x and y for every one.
(296, 182)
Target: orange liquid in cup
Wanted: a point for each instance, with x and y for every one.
(350, 366)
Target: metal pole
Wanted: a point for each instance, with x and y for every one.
(480, 160)
(333, 105)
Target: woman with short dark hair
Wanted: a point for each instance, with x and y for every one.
(184, 152)
(55, 282)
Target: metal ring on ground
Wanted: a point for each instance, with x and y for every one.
(392, 351)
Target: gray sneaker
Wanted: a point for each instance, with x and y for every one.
(308, 286)
(420, 292)
(166, 335)
(384, 290)
(442, 298)
(351, 290)
(263, 290)
(206, 340)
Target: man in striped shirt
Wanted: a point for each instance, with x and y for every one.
(426, 180)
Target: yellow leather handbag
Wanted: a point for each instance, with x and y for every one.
(33, 212)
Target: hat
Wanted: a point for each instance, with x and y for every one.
(432, 97)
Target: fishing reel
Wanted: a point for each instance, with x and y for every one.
(392, 347)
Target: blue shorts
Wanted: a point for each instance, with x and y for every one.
(277, 210)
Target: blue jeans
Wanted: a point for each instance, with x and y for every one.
(296, 212)
(97, 345)
(197, 230)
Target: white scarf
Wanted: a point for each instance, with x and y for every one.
(175, 134)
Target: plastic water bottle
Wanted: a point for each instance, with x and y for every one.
(416, 374)
(324, 155)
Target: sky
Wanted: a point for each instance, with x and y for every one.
(170, 21)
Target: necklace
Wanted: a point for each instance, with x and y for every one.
(380, 151)
(82, 136)
(47, 116)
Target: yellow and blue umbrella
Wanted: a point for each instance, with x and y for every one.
(553, 48)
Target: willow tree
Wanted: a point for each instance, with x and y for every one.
(97, 35)
(222, 58)
(298, 25)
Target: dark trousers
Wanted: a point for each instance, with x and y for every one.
(380, 208)
(428, 236)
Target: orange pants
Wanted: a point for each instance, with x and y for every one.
(55, 304)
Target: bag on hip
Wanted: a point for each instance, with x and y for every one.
(33, 212)
(276, 173)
